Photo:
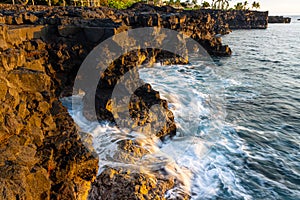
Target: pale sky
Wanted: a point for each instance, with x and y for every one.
(275, 7)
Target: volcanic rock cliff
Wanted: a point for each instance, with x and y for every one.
(238, 19)
(42, 155)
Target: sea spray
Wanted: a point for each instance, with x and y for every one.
(197, 115)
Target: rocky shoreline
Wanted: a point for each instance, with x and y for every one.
(42, 151)
(279, 19)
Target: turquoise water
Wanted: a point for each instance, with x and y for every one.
(238, 120)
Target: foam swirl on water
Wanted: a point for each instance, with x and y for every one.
(195, 98)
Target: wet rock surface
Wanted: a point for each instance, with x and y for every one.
(125, 184)
(42, 155)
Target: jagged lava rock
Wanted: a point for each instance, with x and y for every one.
(42, 155)
(41, 152)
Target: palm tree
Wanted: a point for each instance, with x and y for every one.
(194, 2)
(205, 4)
(225, 4)
(245, 5)
(255, 5)
(213, 4)
(220, 4)
(239, 6)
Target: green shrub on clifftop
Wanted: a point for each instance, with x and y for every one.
(120, 4)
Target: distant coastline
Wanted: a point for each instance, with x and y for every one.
(279, 19)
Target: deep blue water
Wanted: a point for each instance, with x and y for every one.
(238, 122)
(264, 109)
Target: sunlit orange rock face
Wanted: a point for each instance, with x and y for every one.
(42, 155)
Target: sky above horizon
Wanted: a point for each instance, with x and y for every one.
(275, 7)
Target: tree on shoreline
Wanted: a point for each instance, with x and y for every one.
(220, 4)
(243, 5)
(238, 6)
(205, 4)
(256, 5)
(122, 4)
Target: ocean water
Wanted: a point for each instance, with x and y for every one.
(238, 120)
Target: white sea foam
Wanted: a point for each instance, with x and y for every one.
(191, 155)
